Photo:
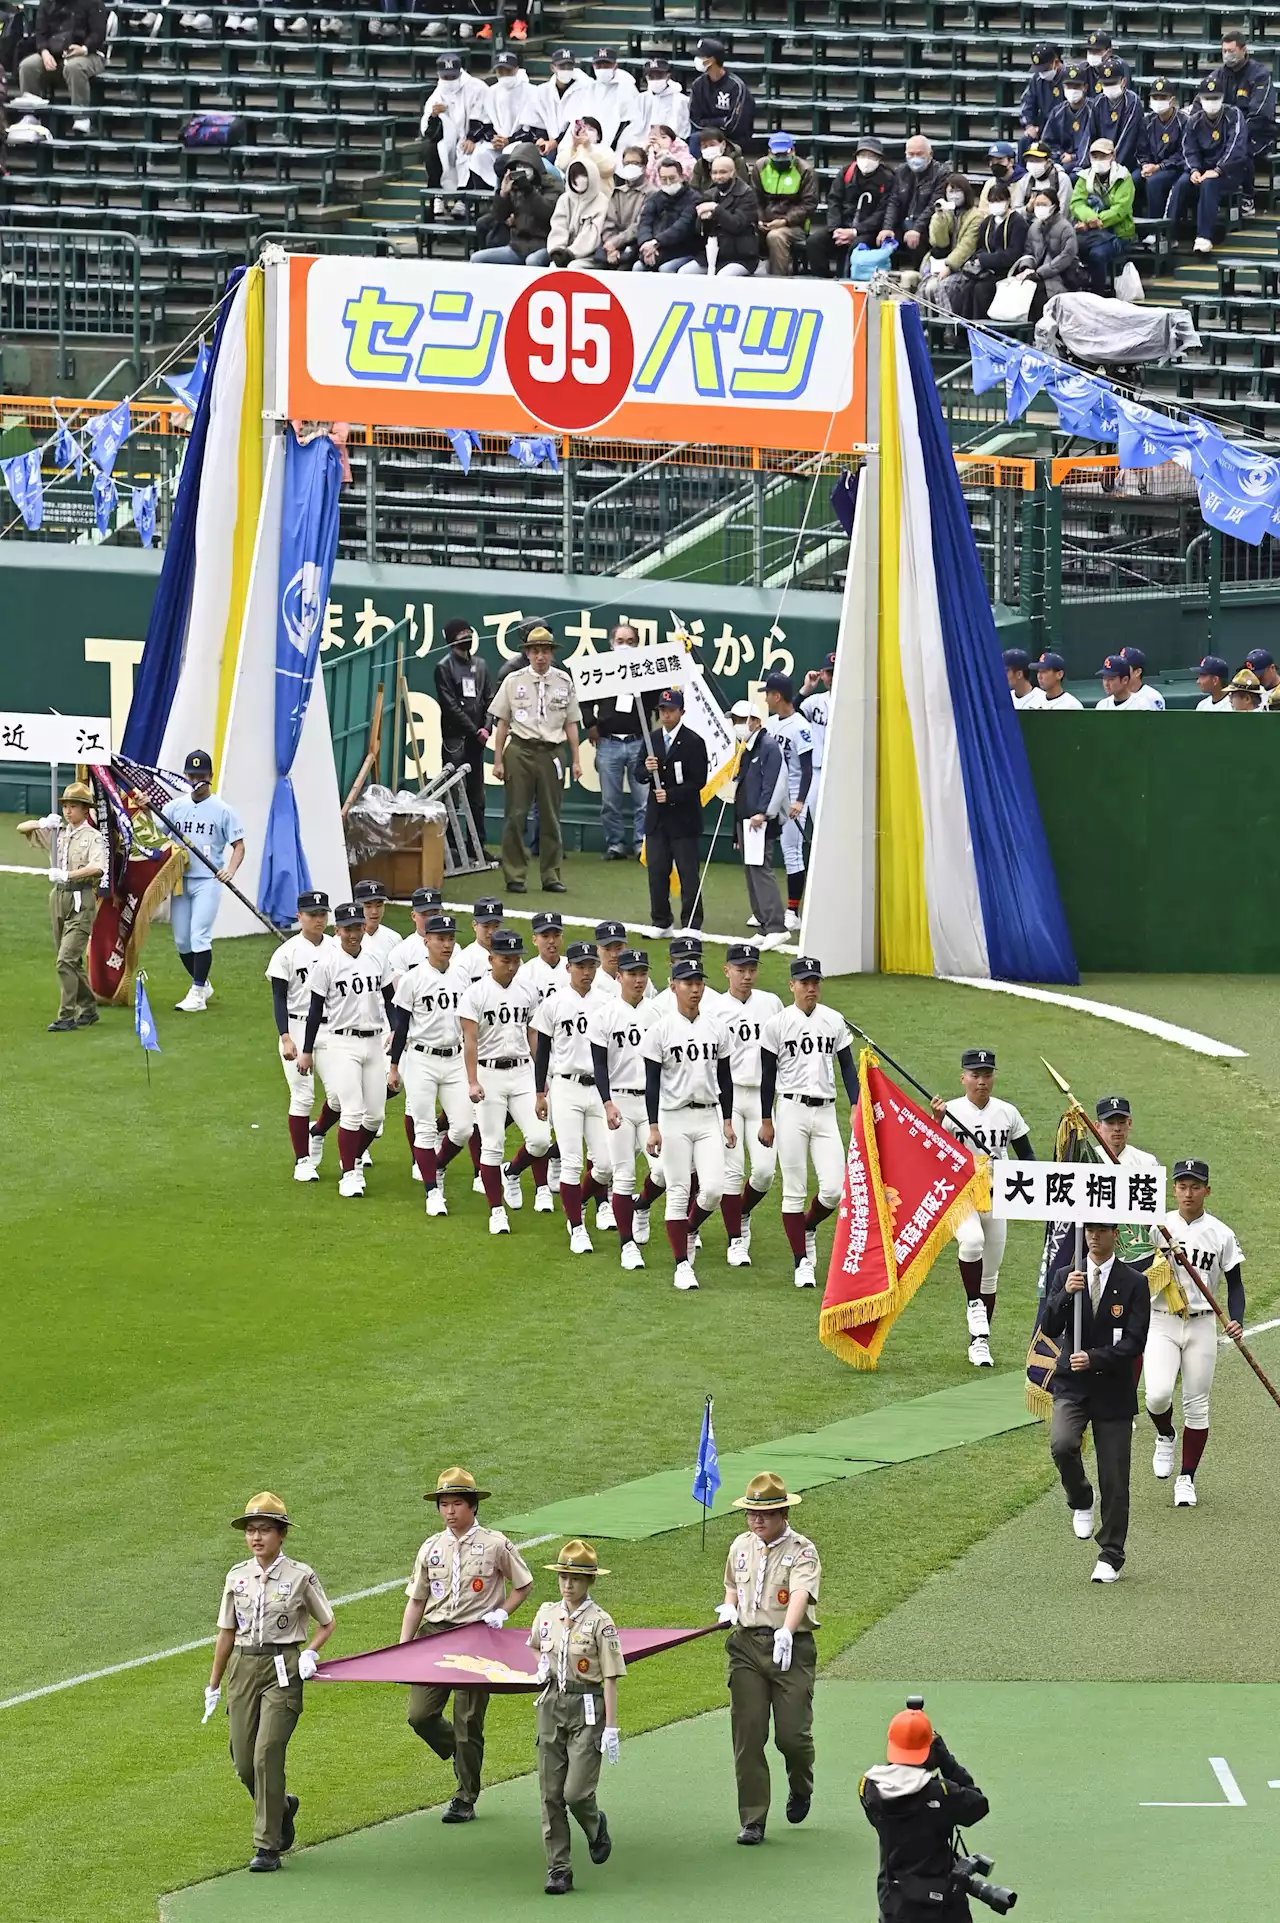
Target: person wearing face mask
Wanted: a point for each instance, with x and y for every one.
(1159, 152)
(728, 225)
(1115, 115)
(578, 219)
(1102, 214)
(916, 187)
(515, 112)
(619, 236)
(1248, 85)
(663, 100)
(614, 100)
(667, 235)
(455, 132)
(1001, 242)
(1043, 91)
(1041, 172)
(1062, 130)
(562, 97)
(953, 235)
(760, 801)
(517, 220)
(1052, 255)
(1215, 148)
(465, 694)
(662, 144)
(584, 141)
(1003, 169)
(854, 211)
(719, 98)
(1100, 53)
(787, 193)
(711, 142)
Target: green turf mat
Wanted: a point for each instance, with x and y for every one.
(898, 1432)
(1069, 1769)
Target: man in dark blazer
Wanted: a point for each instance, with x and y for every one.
(1095, 1382)
(464, 692)
(677, 773)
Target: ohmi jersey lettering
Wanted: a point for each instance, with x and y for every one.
(352, 988)
(806, 1047)
(566, 1017)
(292, 964)
(502, 1017)
(993, 1128)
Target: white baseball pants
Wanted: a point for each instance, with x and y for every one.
(805, 1135)
(433, 1081)
(627, 1141)
(354, 1071)
(302, 1088)
(692, 1138)
(1189, 1344)
(746, 1126)
(577, 1111)
(981, 1238)
(793, 843)
(508, 1089)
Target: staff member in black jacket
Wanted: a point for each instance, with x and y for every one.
(677, 773)
(760, 799)
(1096, 1384)
(465, 692)
(613, 729)
(914, 1802)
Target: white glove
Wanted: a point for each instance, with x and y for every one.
(308, 1664)
(496, 1619)
(211, 1697)
(57, 876)
(610, 1745)
(726, 1615)
(782, 1648)
(49, 821)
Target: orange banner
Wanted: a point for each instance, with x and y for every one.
(907, 1184)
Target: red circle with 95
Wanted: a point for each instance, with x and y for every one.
(569, 351)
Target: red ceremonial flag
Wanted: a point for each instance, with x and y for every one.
(496, 1659)
(907, 1184)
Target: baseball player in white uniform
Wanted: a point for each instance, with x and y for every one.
(426, 1036)
(412, 949)
(799, 1049)
(611, 939)
(815, 709)
(497, 1016)
(683, 948)
(995, 1128)
(546, 969)
(348, 1002)
(1024, 692)
(379, 940)
(289, 971)
(1183, 1333)
(743, 1014)
(616, 1034)
(689, 1102)
(791, 732)
(473, 960)
(562, 1052)
(1134, 1243)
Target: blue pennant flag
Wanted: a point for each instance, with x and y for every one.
(67, 451)
(465, 440)
(1146, 438)
(531, 450)
(22, 478)
(188, 387)
(105, 496)
(1085, 406)
(144, 513)
(143, 1021)
(1026, 372)
(990, 361)
(1239, 491)
(107, 435)
(706, 1477)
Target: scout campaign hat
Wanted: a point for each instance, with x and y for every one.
(577, 1558)
(78, 791)
(263, 1508)
(766, 1492)
(455, 1482)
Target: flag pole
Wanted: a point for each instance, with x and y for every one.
(919, 1087)
(706, 1420)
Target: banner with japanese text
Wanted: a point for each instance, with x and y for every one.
(1076, 1192)
(433, 343)
(907, 1184)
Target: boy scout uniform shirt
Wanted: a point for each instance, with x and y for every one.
(272, 1605)
(620, 1030)
(744, 1023)
(351, 986)
(566, 1016)
(432, 997)
(541, 977)
(502, 1017)
(538, 707)
(292, 964)
(806, 1047)
(461, 1579)
(764, 1574)
(688, 1052)
(79, 847)
(580, 1647)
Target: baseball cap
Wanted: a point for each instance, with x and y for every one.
(312, 901)
(806, 968)
(488, 908)
(1101, 146)
(658, 65)
(1258, 658)
(743, 952)
(741, 711)
(868, 144)
(1001, 150)
(562, 57)
(505, 63)
(1112, 1105)
(1016, 658)
(671, 698)
(1109, 73)
(779, 684)
(781, 143)
(978, 1058)
(1046, 50)
(1135, 657)
(710, 48)
(198, 762)
(581, 951)
(1208, 88)
(604, 57)
(1075, 77)
(423, 898)
(1099, 41)
(441, 925)
(1036, 151)
(1051, 660)
(1114, 663)
(631, 958)
(449, 65)
(910, 1738)
(1214, 664)
(830, 663)
(508, 941)
(348, 913)
(546, 921)
(610, 931)
(681, 946)
(1193, 1169)
(688, 969)
(1161, 90)
(369, 890)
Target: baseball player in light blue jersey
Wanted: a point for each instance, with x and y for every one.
(209, 824)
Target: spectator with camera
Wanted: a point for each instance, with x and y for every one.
(667, 233)
(917, 185)
(787, 193)
(517, 221)
(915, 1801)
(854, 211)
(71, 40)
(585, 140)
(664, 143)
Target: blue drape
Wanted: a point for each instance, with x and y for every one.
(156, 680)
(308, 548)
(1026, 928)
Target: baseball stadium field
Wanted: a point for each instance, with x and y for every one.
(186, 1325)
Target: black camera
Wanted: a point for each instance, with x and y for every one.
(969, 1874)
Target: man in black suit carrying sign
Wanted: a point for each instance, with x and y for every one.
(676, 770)
(1094, 1382)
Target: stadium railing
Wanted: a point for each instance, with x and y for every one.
(70, 284)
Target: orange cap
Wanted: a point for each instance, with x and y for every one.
(910, 1737)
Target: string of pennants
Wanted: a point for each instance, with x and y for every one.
(1239, 490)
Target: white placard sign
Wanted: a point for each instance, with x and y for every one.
(51, 738)
(1076, 1192)
(603, 677)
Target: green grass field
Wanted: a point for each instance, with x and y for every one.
(186, 1325)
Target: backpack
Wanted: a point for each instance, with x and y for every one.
(214, 130)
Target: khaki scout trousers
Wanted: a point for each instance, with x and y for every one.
(262, 1716)
(758, 1687)
(71, 930)
(568, 1769)
(532, 771)
(460, 1742)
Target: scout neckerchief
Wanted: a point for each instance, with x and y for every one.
(260, 1600)
(562, 1654)
(764, 1562)
(455, 1580)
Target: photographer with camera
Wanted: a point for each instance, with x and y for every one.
(517, 221)
(915, 1802)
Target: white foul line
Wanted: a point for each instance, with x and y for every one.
(1233, 1796)
(1127, 1017)
(205, 1642)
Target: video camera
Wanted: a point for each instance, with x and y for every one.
(969, 1873)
